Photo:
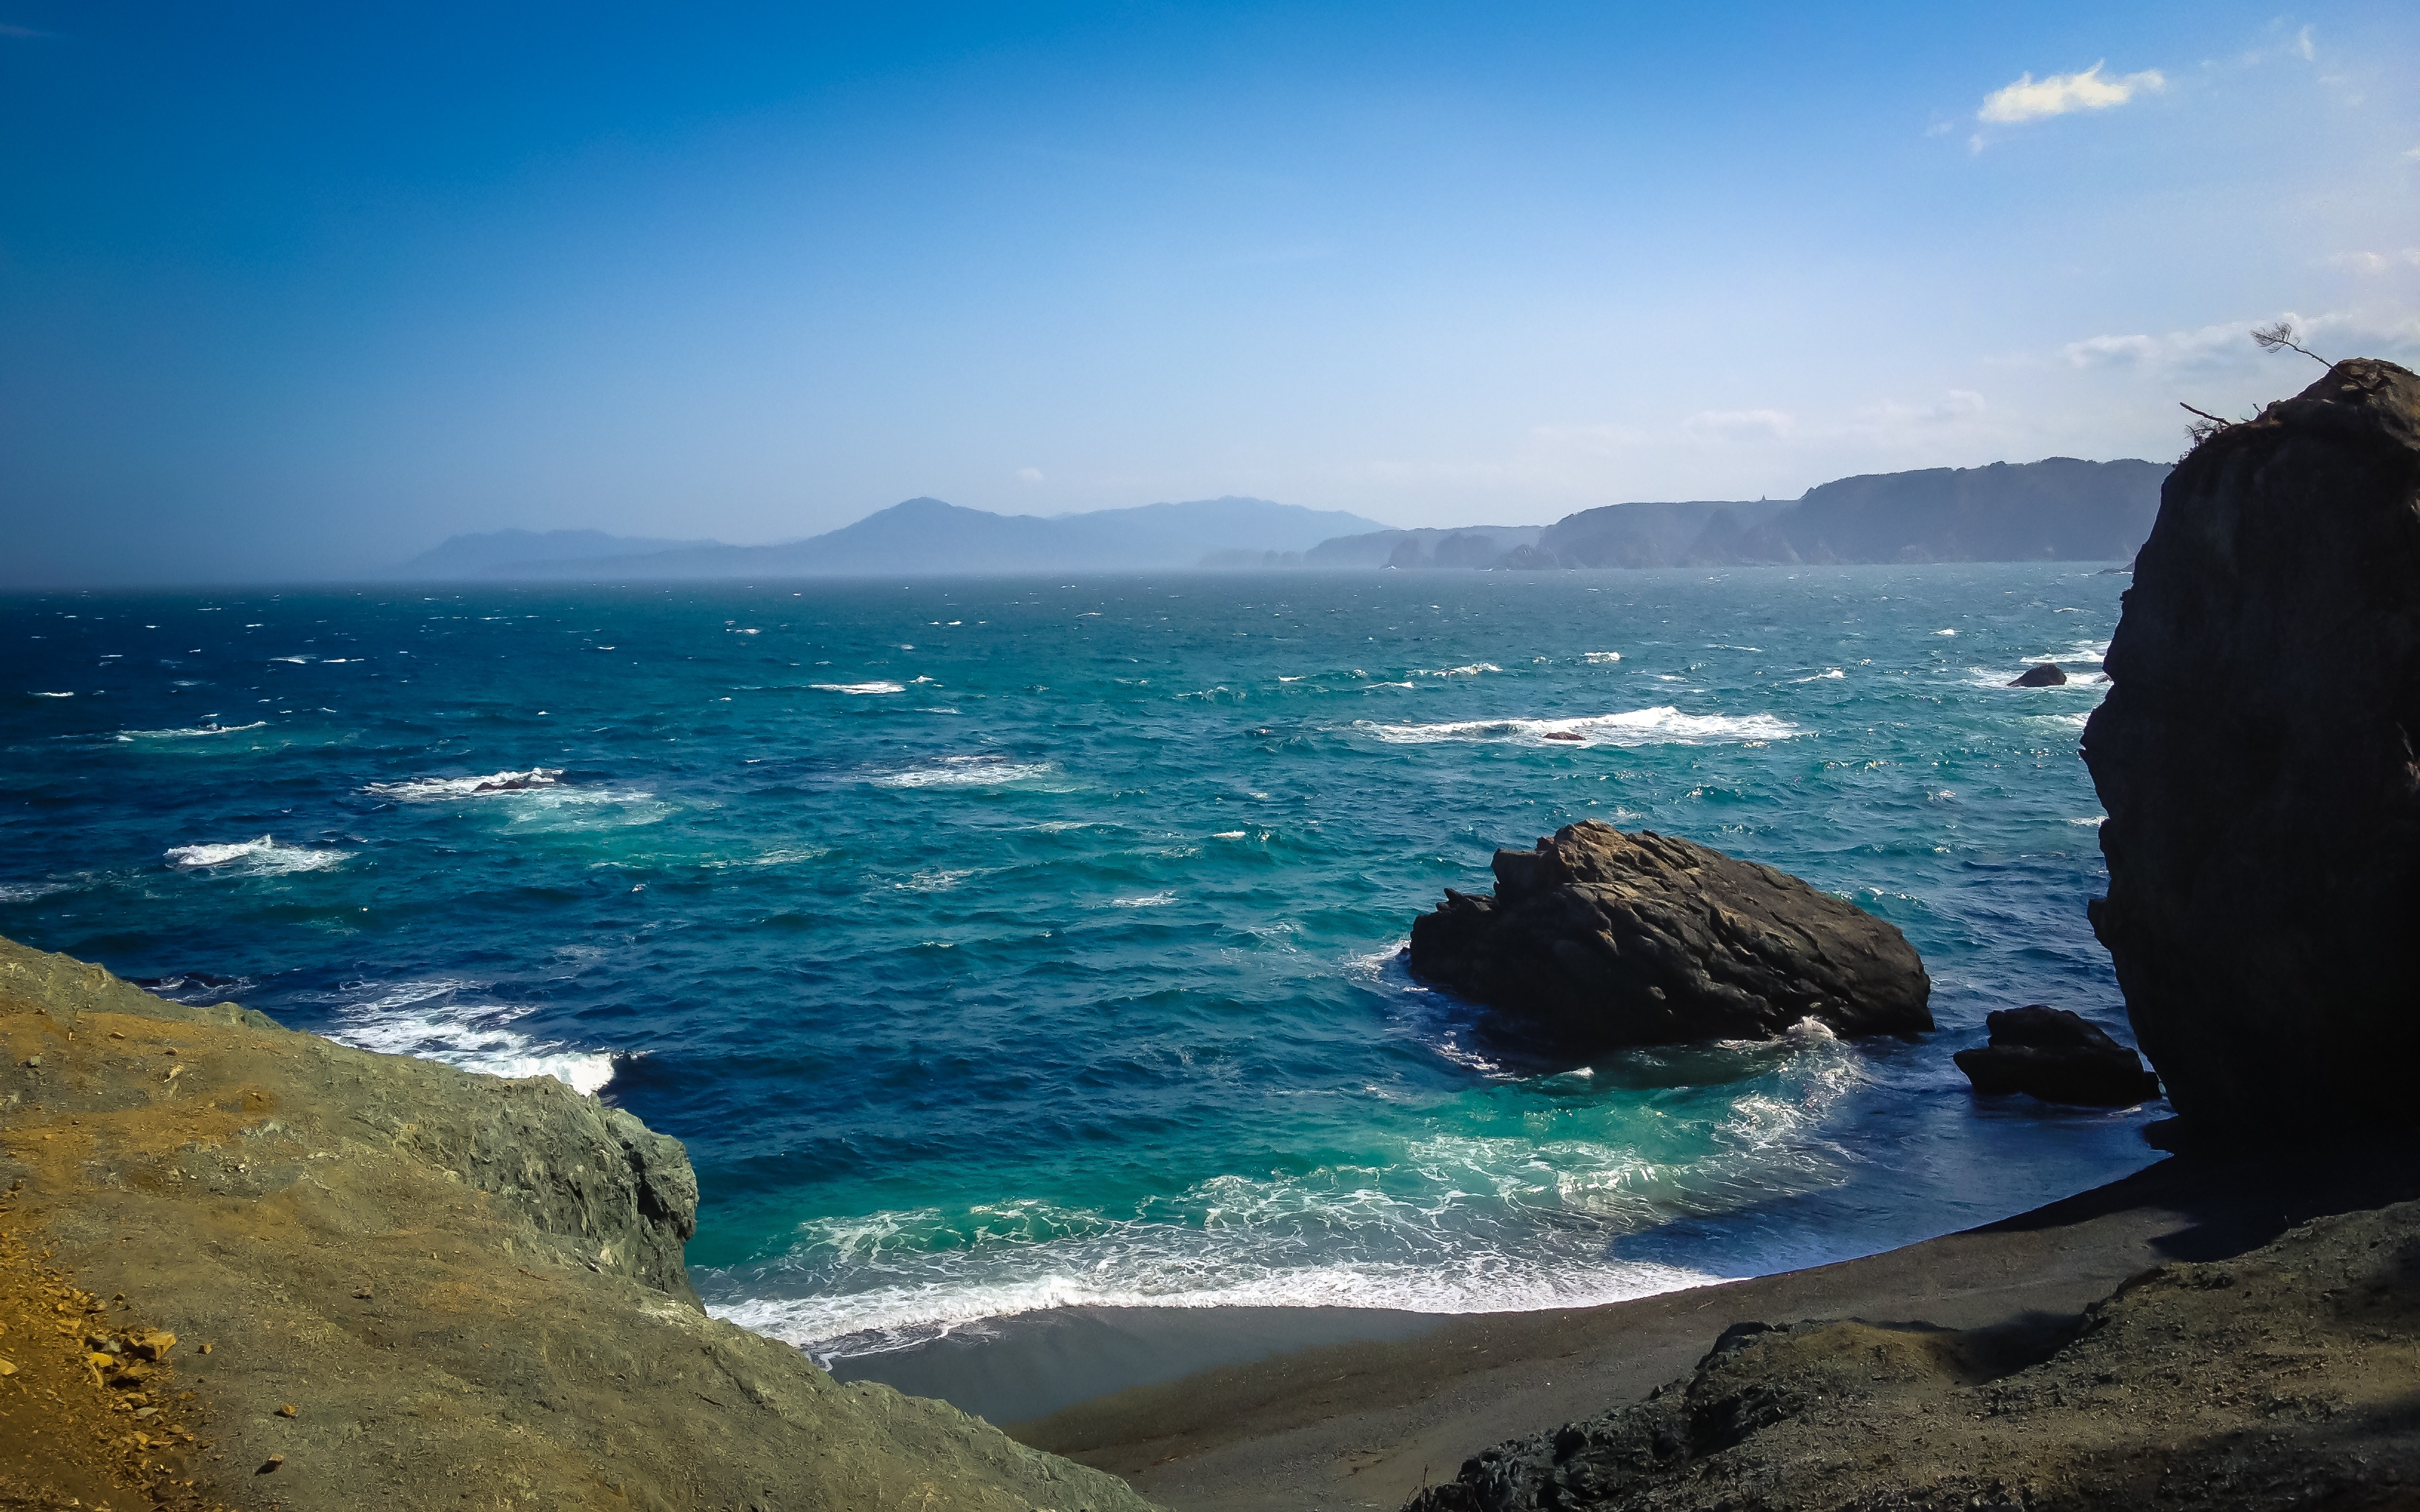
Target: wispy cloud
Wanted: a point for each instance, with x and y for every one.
(2337, 333)
(2031, 99)
(1740, 425)
(7, 30)
(2303, 44)
(1030, 474)
(2377, 262)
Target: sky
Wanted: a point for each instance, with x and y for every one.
(295, 291)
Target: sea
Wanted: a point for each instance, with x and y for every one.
(1002, 944)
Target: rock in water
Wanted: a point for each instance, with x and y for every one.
(1598, 938)
(2058, 1057)
(2044, 675)
(2256, 756)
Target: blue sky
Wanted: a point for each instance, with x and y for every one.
(298, 290)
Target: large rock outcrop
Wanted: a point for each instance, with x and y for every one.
(392, 1284)
(1598, 938)
(2257, 760)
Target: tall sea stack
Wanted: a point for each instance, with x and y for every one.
(2256, 758)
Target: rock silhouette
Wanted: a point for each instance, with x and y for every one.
(2058, 1057)
(2256, 756)
(1597, 938)
(2043, 674)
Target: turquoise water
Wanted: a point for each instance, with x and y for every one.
(997, 944)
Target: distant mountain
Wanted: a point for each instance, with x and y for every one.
(1471, 546)
(499, 552)
(2057, 510)
(927, 536)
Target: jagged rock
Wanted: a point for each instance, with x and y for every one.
(2255, 757)
(2043, 674)
(2058, 1057)
(1598, 938)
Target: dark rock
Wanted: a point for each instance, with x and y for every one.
(1565, 734)
(2256, 756)
(2058, 1057)
(1598, 938)
(2046, 674)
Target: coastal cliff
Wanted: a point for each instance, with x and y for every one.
(386, 1282)
(2255, 756)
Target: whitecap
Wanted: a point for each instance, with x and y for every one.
(1148, 900)
(1825, 675)
(190, 733)
(432, 1021)
(430, 789)
(50, 695)
(262, 857)
(1471, 671)
(859, 688)
(966, 772)
(936, 881)
(1661, 726)
(1600, 657)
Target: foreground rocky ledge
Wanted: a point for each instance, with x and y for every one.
(2285, 1377)
(469, 1291)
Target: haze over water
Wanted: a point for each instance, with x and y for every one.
(998, 944)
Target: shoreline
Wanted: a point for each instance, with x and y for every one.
(1366, 1415)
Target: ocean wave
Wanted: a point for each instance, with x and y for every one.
(966, 772)
(1471, 671)
(859, 688)
(262, 857)
(191, 732)
(1148, 900)
(437, 1021)
(1827, 674)
(1600, 659)
(25, 893)
(40, 695)
(1663, 725)
(431, 788)
(1449, 1222)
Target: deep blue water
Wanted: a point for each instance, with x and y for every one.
(995, 944)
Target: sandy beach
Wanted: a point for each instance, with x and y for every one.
(1274, 1408)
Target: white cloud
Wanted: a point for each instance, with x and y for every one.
(1030, 474)
(2303, 44)
(2030, 99)
(1740, 425)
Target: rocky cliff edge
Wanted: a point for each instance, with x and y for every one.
(391, 1283)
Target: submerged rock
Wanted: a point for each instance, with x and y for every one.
(2044, 675)
(2058, 1057)
(1598, 938)
(2256, 755)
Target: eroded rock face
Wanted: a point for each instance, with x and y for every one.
(2255, 757)
(2058, 1057)
(1598, 938)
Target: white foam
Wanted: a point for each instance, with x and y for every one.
(189, 733)
(495, 785)
(25, 893)
(1148, 900)
(966, 772)
(432, 1021)
(1826, 674)
(1661, 726)
(1471, 671)
(1600, 657)
(50, 695)
(1451, 1222)
(859, 688)
(262, 857)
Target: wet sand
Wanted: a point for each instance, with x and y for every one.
(1316, 1408)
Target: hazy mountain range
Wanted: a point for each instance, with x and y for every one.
(2058, 509)
(920, 536)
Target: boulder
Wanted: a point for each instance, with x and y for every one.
(2044, 675)
(2256, 755)
(1597, 939)
(2058, 1056)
